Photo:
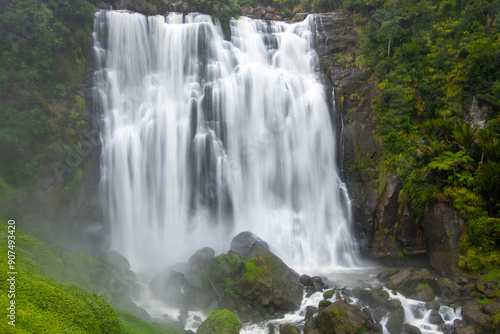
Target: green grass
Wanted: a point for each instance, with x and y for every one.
(130, 324)
(50, 294)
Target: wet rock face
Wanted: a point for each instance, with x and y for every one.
(354, 118)
(443, 228)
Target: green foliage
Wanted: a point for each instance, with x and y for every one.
(223, 9)
(484, 234)
(449, 161)
(221, 322)
(468, 204)
(42, 60)
(325, 5)
(432, 59)
(488, 181)
(493, 275)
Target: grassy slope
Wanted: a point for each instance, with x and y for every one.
(45, 305)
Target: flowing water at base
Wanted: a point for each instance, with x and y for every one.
(416, 312)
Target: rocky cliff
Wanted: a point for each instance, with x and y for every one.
(383, 223)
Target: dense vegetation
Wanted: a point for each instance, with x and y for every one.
(437, 65)
(42, 47)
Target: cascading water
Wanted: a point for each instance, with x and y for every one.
(204, 138)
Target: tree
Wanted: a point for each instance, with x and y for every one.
(464, 136)
(449, 161)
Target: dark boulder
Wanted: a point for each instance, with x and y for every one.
(172, 288)
(267, 279)
(435, 318)
(340, 317)
(243, 242)
(299, 17)
(310, 312)
(305, 280)
(202, 259)
(408, 279)
(116, 276)
(465, 330)
(396, 319)
(409, 329)
(473, 315)
(378, 298)
(492, 308)
(425, 295)
(317, 283)
(289, 329)
(447, 289)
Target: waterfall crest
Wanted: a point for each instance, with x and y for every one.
(204, 138)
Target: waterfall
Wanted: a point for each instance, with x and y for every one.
(204, 138)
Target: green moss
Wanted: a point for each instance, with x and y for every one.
(485, 301)
(421, 287)
(252, 271)
(220, 322)
(496, 320)
(328, 294)
(493, 275)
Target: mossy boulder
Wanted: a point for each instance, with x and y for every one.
(340, 317)
(289, 329)
(396, 319)
(220, 322)
(268, 280)
(472, 313)
(407, 280)
(447, 289)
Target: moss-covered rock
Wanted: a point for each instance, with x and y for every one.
(407, 280)
(328, 294)
(289, 329)
(220, 322)
(396, 319)
(340, 317)
(268, 280)
(447, 289)
(472, 313)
